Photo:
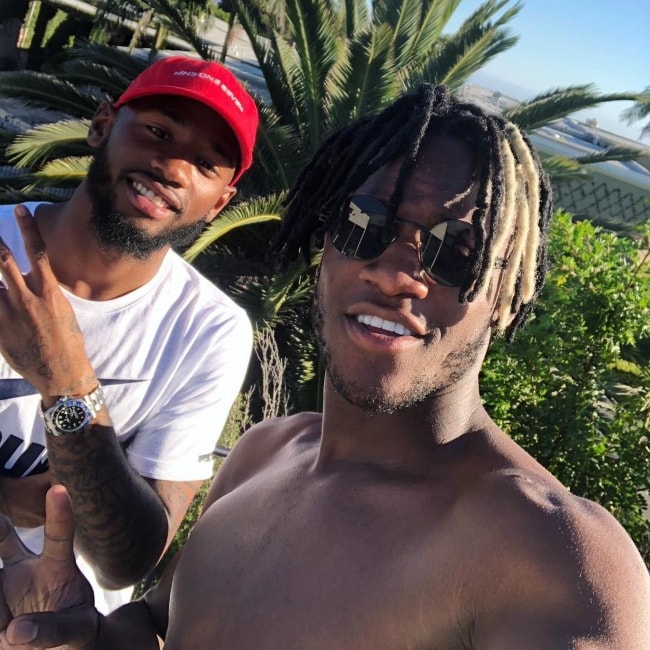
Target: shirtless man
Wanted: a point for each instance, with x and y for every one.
(401, 517)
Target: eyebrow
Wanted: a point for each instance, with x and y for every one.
(181, 121)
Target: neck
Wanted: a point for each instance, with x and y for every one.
(412, 437)
(78, 261)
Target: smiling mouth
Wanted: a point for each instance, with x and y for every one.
(150, 195)
(386, 325)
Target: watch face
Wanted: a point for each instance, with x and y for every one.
(70, 416)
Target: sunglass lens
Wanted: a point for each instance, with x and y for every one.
(446, 252)
(362, 232)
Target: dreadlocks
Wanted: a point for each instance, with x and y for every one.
(513, 201)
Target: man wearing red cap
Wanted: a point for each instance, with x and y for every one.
(119, 361)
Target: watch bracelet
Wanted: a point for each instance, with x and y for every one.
(92, 403)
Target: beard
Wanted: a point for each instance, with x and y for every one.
(114, 231)
(374, 399)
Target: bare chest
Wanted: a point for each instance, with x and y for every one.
(319, 567)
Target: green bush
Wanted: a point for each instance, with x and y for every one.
(574, 387)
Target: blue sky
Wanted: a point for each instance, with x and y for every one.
(568, 42)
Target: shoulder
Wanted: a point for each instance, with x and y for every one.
(264, 445)
(186, 275)
(544, 513)
(556, 561)
(202, 301)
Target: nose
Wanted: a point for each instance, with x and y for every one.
(173, 166)
(398, 271)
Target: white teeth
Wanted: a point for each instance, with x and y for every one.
(401, 330)
(380, 323)
(148, 194)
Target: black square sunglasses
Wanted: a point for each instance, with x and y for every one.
(364, 231)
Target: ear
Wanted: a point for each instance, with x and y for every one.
(101, 124)
(223, 201)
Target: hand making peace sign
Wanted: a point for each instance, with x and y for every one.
(39, 334)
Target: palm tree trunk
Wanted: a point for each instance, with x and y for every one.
(143, 23)
(230, 37)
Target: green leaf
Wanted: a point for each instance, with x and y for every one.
(35, 145)
(244, 214)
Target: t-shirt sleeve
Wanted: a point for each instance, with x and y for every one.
(177, 441)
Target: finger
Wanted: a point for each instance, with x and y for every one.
(59, 525)
(34, 244)
(12, 549)
(76, 627)
(5, 612)
(9, 271)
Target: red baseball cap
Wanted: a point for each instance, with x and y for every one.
(211, 84)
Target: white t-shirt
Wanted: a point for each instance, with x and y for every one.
(171, 357)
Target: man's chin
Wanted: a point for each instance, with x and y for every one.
(376, 400)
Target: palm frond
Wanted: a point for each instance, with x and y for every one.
(367, 80)
(356, 16)
(562, 169)
(315, 41)
(403, 18)
(182, 21)
(36, 145)
(82, 72)
(458, 58)
(282, 67)
(279, 154)
(49, 92)
(121, 62)
(243, 214)
(639, 111)
(272, 299)
(277, 61)
(611, 153)
(488, 10)
(435, 16)
(476, 42)
(557, 103)
(69, 171)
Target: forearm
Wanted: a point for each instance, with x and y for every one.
(121, 524)
(23, 499)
